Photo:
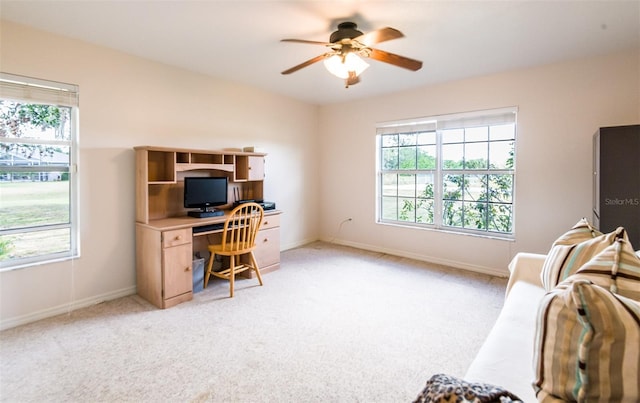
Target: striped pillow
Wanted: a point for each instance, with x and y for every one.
(616, 268)
(573, 249)
(582, 231)
(587, 345)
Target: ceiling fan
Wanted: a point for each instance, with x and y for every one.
(347, 45)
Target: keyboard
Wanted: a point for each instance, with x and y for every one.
(207, 228)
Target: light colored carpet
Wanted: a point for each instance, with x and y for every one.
(334, 324)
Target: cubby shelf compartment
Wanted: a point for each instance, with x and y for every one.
(161, 166)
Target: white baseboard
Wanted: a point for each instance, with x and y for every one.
(294, 245)
(65, 308)
(429, 259)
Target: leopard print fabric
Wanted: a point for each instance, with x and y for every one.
(442, 388)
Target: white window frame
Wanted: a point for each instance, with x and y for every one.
(33, 90)
(437, 124)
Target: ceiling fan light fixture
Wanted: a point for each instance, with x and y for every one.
(347, 45)
(340, 66)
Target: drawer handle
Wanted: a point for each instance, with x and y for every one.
(178, 237)
(187, 268)
(266, 223)
(265, 240)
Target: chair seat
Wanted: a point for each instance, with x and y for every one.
(240, 249)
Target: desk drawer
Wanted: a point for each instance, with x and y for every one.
(267, 251)
(270, 221)
(176, 237)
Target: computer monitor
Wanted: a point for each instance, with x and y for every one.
(205, 192)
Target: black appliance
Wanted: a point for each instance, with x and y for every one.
(616, 180)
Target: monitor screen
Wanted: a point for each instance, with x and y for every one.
(203, 192)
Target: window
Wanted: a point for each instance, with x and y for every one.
(452, 172)
(38, 191)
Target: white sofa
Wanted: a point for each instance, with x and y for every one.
(506, 357)
(605, 286)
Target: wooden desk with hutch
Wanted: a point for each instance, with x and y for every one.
(165, 241)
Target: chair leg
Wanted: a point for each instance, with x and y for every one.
(232, 274)
(255, 267)
(208, 273)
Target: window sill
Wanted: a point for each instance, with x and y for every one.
(508, 238)
(7, 266)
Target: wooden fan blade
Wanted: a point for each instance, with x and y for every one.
(396, 60)
(305, 64)
(380, 35)
(308, 42)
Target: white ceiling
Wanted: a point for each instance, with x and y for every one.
(240, 40)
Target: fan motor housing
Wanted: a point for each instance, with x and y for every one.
(346, 30)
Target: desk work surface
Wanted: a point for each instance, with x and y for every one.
(185, 221)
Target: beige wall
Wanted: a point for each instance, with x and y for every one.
(560, 108)
(127, 101)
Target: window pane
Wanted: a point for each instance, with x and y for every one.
(453, 136)
(53, 159)
(389, 140)
(427, 138)
(32, 244)
(501, 188)
(390, 184)
(475, 215)
(503, 132)
(407, 139)
(452, 214)
(389, 208)
(427, 157)
(31, 199)
(476, 155)
(501, 218)
(476, 133)
(452, 155)
(389, 158)
(475, 187)
(501, 154)
(407, 185)
(408, 158)
(407, 209)
(34, 121)
(452, 187)
(424, 187)
(425, 209)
